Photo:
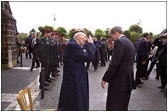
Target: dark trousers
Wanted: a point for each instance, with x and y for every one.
(46, 67)
(88, 65)
(35, 59)
(103, 59)
(141, 72)
(157, 70)
(144, 69)
(95, 64)
(51, 68)
(163, 75)
(28, 53)
(118, 100)
(109, 54)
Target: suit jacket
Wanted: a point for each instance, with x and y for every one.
(102, 48)
(120, 73)
(161, 54)
(142, 51)
(28, 43)
(36, 43)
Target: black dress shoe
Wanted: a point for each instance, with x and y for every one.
(37, 67)
(161, 87)
(144, 78)
(48, 80)
(157, 78)
(53, 75)
(31, 69)
(141, 83)
(46, 84)
(163, 90)
(138, 86)
(57, 70)
(57, 74)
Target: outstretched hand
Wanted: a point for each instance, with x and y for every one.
(103, 84)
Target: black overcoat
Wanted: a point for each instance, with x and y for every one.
(74, 93)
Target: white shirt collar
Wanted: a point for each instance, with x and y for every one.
(144, 38)
(120, 36)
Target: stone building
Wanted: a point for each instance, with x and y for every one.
(8, 30)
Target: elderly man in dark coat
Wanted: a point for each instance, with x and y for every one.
(74, 93)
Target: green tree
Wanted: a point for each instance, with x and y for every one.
(99, 33)
(135, 28)
(155, 36)
(134, 36)
(150, 34)
(32, 30)
(127, 34)
(62, 31)
(88, 32)
(70, 35)
(42, 29)
(22, 36)
(107, 33)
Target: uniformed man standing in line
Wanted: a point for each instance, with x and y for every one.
(57, 36)
(51, 57)
(56, 57)
(44, 48)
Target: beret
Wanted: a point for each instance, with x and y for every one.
(48, 30)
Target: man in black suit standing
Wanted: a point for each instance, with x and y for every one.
(34, 46)
(28, 46)
(120, 72)
(142, 59)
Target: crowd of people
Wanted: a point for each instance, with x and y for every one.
(81, 52)
(155, 52)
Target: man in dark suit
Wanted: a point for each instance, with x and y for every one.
(103, 52)
(28, 46)
(120, 72)
(142, 59)
(44, 49)
(34, 46)
(74, 95)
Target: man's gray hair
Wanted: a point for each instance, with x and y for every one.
(117, 29)
(77, 34)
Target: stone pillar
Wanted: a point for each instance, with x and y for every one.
(8, 44)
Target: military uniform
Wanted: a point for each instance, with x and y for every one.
(58, 50)
(44, 49)
(52, 56)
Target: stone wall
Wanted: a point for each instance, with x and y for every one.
(8, 45)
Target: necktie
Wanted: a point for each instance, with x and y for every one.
(32, 44)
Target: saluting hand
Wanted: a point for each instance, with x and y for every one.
(90, 40)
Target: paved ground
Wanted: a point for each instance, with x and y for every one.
(148, 97)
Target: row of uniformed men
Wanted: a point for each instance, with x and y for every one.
(49, 55)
